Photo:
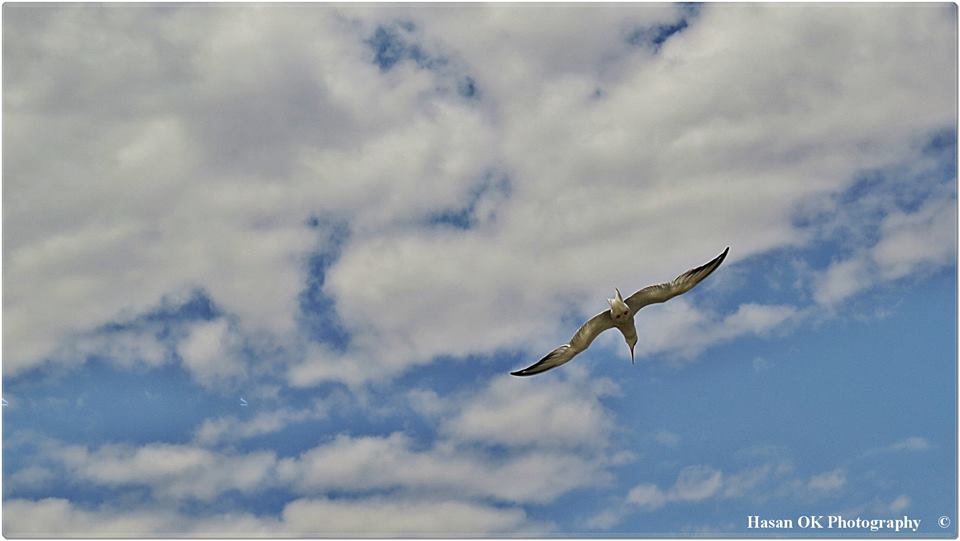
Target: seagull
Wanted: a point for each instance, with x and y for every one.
(620, 315)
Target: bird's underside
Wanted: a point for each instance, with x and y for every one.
(605, 320)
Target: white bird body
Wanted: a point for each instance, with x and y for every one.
(620, 315)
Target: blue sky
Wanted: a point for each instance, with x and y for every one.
(360, 218)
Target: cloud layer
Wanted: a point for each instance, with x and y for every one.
(205, 175)
(359, 217)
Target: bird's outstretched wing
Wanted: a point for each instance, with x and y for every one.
(580, 341)
(668, 290)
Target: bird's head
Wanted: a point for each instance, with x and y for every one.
(618, 309)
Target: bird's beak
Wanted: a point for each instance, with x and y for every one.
(632, 360)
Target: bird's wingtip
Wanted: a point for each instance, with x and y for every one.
(518, 373)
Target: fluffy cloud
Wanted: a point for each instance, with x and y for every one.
(411, 518)
(150, 202)
(352, 465)
(472, 182)
(830, 481)
(126, 348)
(210, 352)
(508, 441)
(772, 477)
(53, 517)
(558, 239)
(57, 517)
(927, 237)
(31, 477)
(231, 429)
(842, 279)
(910, 242)
(384, 463)
(694, 483)
(667, 438)
(171, 471)
(647, 495)
(899, 503)
(679, 328)
(495, 448)
(913, 443)
(229, 127)
(553, 414)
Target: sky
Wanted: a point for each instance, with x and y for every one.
(266, 268)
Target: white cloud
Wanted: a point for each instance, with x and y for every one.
(126, 347)
(413, 490)
(741, 483)
(924, 238)
(202, 174)
(210, 353)
(229, 428)
(773, 477)
(679, 328)
(709, 530)
(760, 364)
(913, 443)
(164, 214)
(321, 364)
(561, 413)
(543, 256)
(667, 438)
(910, 242)
(384, 463)
(899, 503)
(31, 477)
(693, 484)
(605, 519)
(427, 403)
(908, 444)
(171, 471)
(647, 496)
(189, 155)
(507, 441)
(696, 483)
(314, 517)
(532, 45)
(830, 481)
(56, 517)
(841, 280)
(403, 518)
(555, 413)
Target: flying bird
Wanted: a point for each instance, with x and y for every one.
(620, 315)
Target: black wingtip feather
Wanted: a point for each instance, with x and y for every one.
(535, 368)
(709, 266)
